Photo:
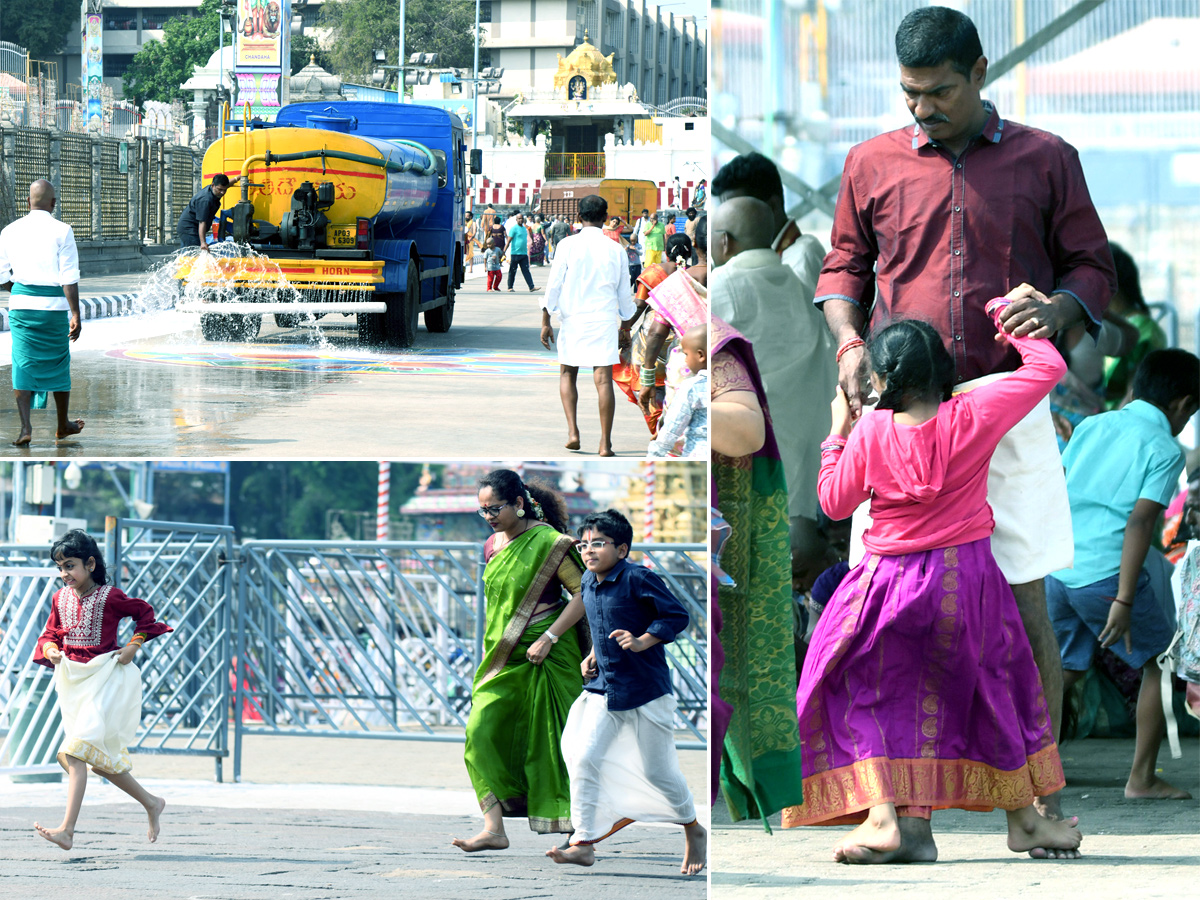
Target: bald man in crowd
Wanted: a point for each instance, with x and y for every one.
(760, 296)
(39, 264)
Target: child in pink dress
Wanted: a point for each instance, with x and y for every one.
(99, 689)
(919, 691)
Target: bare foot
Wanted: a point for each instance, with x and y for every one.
(159, 805)
(23, 439)
(1050, 806)
(1043, 838)
(874, 841)
(916, 845)
(60, 836)
(1155, 790)
(696, 852)
(572, 442)
(485, 840)
(606, 450)
(72, 428)
(579, 855)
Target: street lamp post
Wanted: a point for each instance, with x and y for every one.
(400, 58)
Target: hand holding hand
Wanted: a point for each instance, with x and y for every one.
(850, 379)
(627, 641)
(843, 418)
(1117, 626)
(588, 667)
(1031, 314)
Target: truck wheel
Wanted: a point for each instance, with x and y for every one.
(245, 328)
(437, 321)
(400, 320)
(287, 320)
(370, 325)
(215, 328)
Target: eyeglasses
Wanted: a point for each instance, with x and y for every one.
(593, 545)
(486, 511)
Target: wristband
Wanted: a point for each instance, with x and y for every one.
(995, 305)
(550, 634)
(833, 443)
(849, 345)
(1122, 602)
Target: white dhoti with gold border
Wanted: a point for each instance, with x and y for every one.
(101, 704)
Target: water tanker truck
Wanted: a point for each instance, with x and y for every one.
(347, 207)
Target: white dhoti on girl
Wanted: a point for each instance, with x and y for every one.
(623, 767)
(1027, 492)
(101, 703)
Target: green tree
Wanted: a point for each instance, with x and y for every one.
(289, 500)
(160, 67)
(360, 27)
(40, 26)
(304, 49)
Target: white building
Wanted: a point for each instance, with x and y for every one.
(662, 55)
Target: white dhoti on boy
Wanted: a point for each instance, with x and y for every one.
(101, 704)
(623, 767)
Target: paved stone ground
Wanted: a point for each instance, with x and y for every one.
(1132, 849)
(326, 818)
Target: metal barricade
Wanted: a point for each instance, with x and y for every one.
(185, 572)
(382, 639)
(114, 194)
(30, 727)
(75, 198)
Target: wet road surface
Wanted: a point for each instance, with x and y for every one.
(150, 385)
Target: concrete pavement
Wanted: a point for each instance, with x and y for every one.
(338, 818)
(148, 384)
(1143, 849)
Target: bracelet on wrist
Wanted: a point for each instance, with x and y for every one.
(550, 634)
(849, 345)
(1128, 603)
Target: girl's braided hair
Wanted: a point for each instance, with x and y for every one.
(910, 357)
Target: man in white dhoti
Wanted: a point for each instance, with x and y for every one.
(590, 291)
(619, 741)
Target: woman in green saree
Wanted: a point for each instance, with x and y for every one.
(530, 672)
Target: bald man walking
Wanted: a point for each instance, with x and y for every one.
(760, 296)
(39, 264)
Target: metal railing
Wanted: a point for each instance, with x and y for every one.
(185, 572)
(356, 639)
(575, 165)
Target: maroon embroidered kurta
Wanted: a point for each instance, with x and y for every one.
(84, 628)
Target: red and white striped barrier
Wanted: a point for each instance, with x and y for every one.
(498, 193)
(510, 194)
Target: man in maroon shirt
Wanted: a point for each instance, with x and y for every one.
(934, 220)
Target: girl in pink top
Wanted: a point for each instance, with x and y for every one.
(919, 691)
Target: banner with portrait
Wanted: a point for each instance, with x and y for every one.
(93, 70)
(260, 33)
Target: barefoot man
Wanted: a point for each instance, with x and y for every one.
(590, 291)
(935, 219)
(39, 264)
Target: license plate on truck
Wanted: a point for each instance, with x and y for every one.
(340, 235)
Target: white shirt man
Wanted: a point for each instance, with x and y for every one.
(590, 291)
(39, 251)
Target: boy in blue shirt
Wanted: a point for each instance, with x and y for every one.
(1122, 469)
(619, 741)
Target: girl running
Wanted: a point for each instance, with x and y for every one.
(99, 691)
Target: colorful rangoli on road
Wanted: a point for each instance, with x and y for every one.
(428, 362)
